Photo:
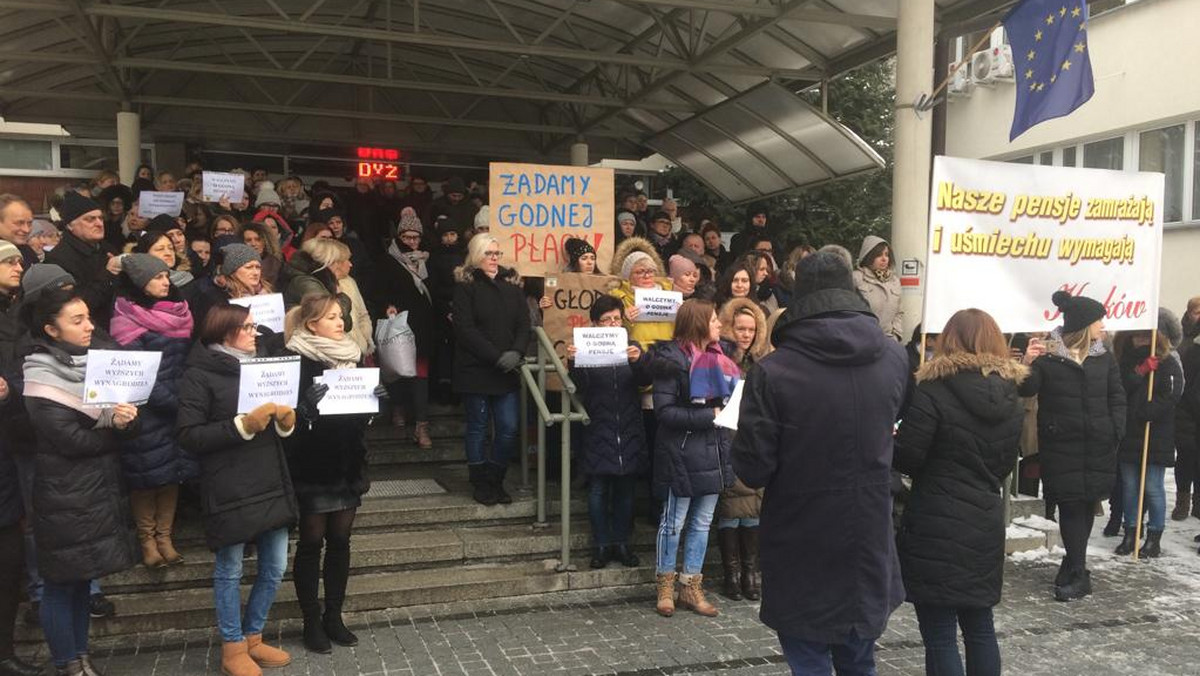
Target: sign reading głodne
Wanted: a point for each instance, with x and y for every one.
(1004, 237)
(536, 207)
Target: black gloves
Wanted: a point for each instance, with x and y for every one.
(380, 391)
(510, 361)
(307, 408)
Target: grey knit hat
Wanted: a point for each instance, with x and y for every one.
(140, 268)
(626, 216)
(8, 250)
(409, 221)
(44, 277)
(235, 256)
(1169, 327)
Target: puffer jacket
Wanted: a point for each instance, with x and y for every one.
(614, 444)
(691, 455)
(328, 454)
(301, 275)
(883, 297)
(959, 439)
(645, 334)
(1160, 412)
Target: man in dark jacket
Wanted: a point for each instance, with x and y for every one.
(454, 204)
(815, 429)
(85, 255)
(16, 225)
(743, 241)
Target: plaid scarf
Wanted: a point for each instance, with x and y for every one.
(712, 374)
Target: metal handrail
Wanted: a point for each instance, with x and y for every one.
(533, 382)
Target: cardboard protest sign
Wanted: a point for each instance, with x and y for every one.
(266, 310)
(1004, 237)
(571, 297)
(536, 207)
(351, 391)
(216, 184)
(119, 377)
(152, 203)
(656, 305)
(600, 346)
(272, 380)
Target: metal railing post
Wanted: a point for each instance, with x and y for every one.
(541, 442)
(524, 448)
(565, 560)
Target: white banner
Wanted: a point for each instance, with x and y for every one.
(119, 377)
(216, 185)
(266, 310)
(152, 203)
(273, 380)
(655, 305)
(351, 391)
(1004, 237)
(600, 346)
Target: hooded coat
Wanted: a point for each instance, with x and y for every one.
(815, 430)
(490, 318)
(1159, 412)
(739, 501)
(882, 296)
(645, 334)
(959, 439)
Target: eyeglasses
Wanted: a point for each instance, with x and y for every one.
(494, 254)
(609, 321)
(250, 327)
(411, 235)
(643, 272)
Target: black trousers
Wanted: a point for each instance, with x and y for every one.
(11, 567)
(1187, 466)
(1075, 520)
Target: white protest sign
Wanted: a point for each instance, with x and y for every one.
(266, 310)
(119, 377)
(656, 305)
(274, 380)
(152, 203)
(1004, 237)
(728, 417)
(600, 346)
(217, 184)
(351, 391)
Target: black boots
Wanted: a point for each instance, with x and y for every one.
(600, 556)
(626, 556)
(731, 562)
(751, 577)
(497, 473)
(1113, 528)
(1078, 586)
(337, 574)
(481, 478)
(1152, 547)
(306, 575)
(1128, 544)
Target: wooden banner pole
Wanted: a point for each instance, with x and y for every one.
(1145, 452)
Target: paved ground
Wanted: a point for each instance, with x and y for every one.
(1143, 619)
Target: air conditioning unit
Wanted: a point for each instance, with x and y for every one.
(992, 65)
(960, 83)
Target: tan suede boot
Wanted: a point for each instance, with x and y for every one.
(235, 660)
(141, 503)
(692, 595)
(666, 594)
(265, 655)
(166, 499)
(421, 436)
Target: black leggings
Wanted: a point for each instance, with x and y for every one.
(1075, 520)
(315, 528)
(11, 539)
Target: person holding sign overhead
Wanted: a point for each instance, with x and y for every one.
(149, 315)
(81, 518)
(328, 461)
(245, 488)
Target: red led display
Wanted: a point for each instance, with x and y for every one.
(370, 153)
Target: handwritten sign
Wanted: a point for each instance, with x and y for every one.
(571, 297)
(216, 184)
(274, 380)
(118, 377)
(266, 310)
(537, 207)
(152, 203)
(351, 391)
(728, 417)
(601, 346)
(655, 305)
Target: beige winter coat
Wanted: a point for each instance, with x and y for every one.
(361, 333)
(883, 297)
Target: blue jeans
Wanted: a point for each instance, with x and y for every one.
(749, 522)
(503, 409)
(65, 619)
(612, 530)
(1156, 494)
(856, 657)
(697, 513)
(939, 631)
(227, 578)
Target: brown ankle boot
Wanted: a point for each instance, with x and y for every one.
(235, 660)
(666, 594)
(421, 436)
(692, 596)
(265, 655)
(141, 503)
(166, 499)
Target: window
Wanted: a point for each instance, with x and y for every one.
(15, 154)
(1028, 159)
(1162, 150)
(1069, 154)
(1108, 154)
(1046, 158)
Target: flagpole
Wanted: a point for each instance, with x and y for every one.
(1137, 537)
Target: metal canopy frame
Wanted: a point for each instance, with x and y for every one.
(457, 76)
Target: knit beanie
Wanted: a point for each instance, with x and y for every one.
(267, 195)
(821, 271)
(1168, 325)
(455, 184)
(680, 266)
(443, 225)
(141, 268)
(632, 260)
(1079, 312)
(482, 216)
(575, 248)
(44, 277)
(409, 221)
(235, 256)
(43, 227)
(324, 215)
(75, 205)
(8, 250)
(626, 216)
(162, 223)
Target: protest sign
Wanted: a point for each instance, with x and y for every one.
(216, 184)
(1004, 237)
(266, 310)
(729, 415)
(656, 305)
(273, 380)
(571, 297)
(351, 391)
(600, 346)
(536, 207)
(119, 377)
(152, 203)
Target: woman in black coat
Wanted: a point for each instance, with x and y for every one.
(958, 441)
(1081, 419)
(245, 490)
(491, 332)
(81, 515)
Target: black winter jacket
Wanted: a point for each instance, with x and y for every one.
(490, 318)
(691, 456)
(15, 429)
(88, 264)
(815, 429)
(959, 439)
(614, 444)
(245, 488)
(1160, 413)
(329, 454)
(396, 287)
(1081, 420)
(1187, 414)
(81, 518)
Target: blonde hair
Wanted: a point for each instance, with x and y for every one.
(476, 248)
(326, 250)
(761, 345)
(1079, 342)
(311, 308)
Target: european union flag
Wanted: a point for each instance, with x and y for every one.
(1050, 56)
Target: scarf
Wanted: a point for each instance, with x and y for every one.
(414, 263)
(712, 374)
(181, 277)
(131, 321)
(336, 354)
(47, 377)
(883, 275)
(240, 355)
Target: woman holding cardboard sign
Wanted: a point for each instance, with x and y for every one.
(80, 517)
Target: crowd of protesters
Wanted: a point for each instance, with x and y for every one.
(834, 409)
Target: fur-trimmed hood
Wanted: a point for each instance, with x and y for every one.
(628, 246)
(464, 274)
(986, 385)
(762, 341)
(944, 366)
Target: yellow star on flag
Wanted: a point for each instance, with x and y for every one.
(1066, 65)
(1029, 74)
(1031, 55)
(1037, 37)
(1033, 86)
(1076, 12)
(1050, 20)
(1079, 47)
(1041, 86)
(1054, 78)
(1063, 11)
